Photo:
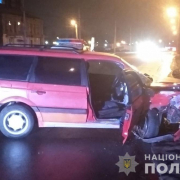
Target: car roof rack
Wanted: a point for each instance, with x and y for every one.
(46, 47)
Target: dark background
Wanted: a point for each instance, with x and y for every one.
(145, 18)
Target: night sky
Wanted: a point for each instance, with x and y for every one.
(145, 18)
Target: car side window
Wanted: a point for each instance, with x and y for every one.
(102, 74)
(61, 71)
(14, 67)
(103, 67)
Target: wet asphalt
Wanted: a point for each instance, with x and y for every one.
(70, 154)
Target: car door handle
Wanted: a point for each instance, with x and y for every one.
(39, 92)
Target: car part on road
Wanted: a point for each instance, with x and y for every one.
(168, 137)
(16, 121)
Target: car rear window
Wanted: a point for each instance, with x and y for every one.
(13, 67)
(51, 70)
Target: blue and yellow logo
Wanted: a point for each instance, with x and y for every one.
(127, 163)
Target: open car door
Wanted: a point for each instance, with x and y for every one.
(139, 102)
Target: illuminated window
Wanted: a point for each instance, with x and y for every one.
(1, 1)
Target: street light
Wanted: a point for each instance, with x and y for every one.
(74, 23)
(173, 28)
(174, 32)
(172, 12)
(174, 15)
(123, 42)
(173, 21)
(118, 44)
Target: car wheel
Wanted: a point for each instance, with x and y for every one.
(151, 124)
(16, 121)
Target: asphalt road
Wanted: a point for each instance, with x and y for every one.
(69, 154)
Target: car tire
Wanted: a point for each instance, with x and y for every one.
(16, 121)
(151, 124)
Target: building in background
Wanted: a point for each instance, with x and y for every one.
(12, 27)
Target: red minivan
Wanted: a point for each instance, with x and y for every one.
(59, 88)
(70, 88)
